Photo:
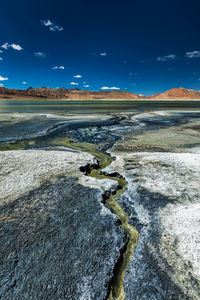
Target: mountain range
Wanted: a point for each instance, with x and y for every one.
(77, 94)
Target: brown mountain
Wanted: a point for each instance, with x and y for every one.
(77, 94)
(177, 93)
(62, 93)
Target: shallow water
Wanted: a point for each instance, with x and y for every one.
(93, 106)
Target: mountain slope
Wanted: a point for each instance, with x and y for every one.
(77, 94)
(62, 93)
(178, 93)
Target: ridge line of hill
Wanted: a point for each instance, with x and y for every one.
(77, 94)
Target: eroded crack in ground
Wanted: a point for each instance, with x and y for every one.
(116, 289)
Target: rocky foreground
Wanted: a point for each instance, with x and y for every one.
(59, 240)
(162, 167)
(163, 200)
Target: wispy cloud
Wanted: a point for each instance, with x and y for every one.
(103, 54)
(5, 46)
(58, 68)
(1, 58)
(3, 78)
(73, 83)
(13, 46)
(51, 25)
(24, 82)
(77, 76)
(193, 54)
(131, 74)
(1, 84)
(40, 54)
(46, 23)
(1, 51)
(86, 85)
(166, 57)
(110, 88)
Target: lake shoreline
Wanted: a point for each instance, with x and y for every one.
(104, 100)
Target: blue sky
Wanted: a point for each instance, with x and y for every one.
(142, 46)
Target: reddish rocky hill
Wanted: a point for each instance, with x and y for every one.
(177, 93)
(77, 94)
(62, 93)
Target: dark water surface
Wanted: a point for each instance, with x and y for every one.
(92, 106)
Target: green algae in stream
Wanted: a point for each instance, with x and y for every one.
(116, 290)
(93, 149)
(19, 145)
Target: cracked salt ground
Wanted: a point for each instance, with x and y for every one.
(116, 286)
(53, 223)
(163, 199)
(46, 227)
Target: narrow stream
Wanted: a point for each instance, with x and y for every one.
(116, 289)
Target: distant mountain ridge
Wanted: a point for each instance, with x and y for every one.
(77, 94)
(63, 93)
(178, 93)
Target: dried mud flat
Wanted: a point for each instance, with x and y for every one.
(60, 241)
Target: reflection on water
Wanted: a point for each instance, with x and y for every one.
(92, 106)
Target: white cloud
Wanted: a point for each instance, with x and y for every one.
(1, 51)
(1, 58)
(3, 78)
(192, 54)
(40, 54)
(51, 25)
(86, 85)
(166, 57)
(47, 23)
(77, 76)
(110, 88)
(1, 84)
(5, 46)
(14, 46)
(24, 82)
(58, 68)
(103, 54)
(73, 83)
